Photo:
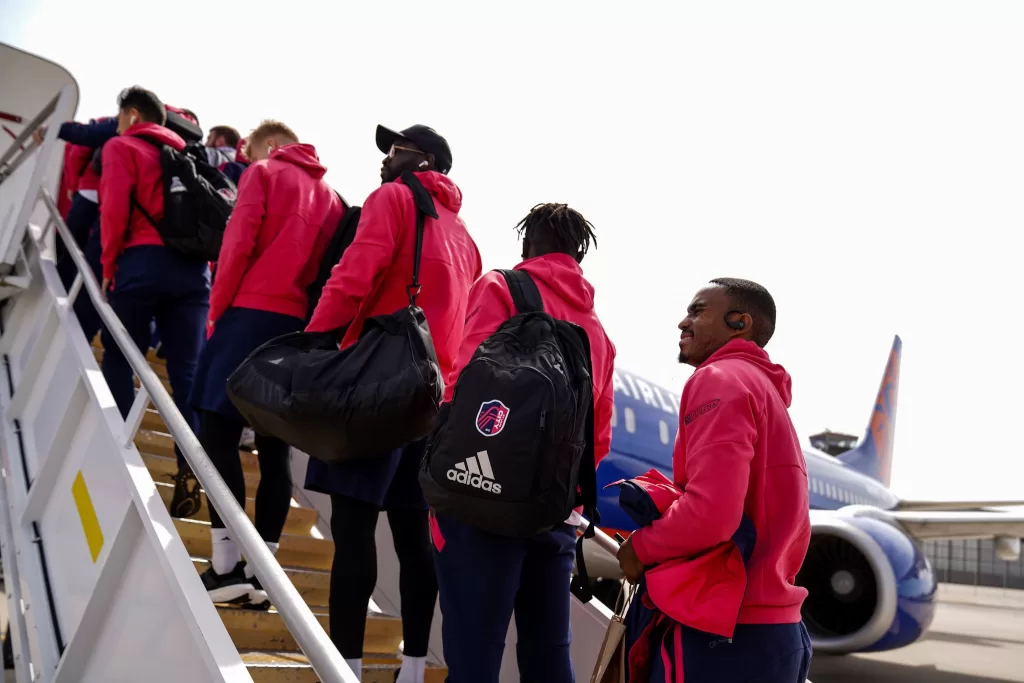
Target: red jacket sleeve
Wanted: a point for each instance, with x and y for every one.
(719, 448)
(116, 187)
(604, 406)
(239, 240)
(489, 305)
(372, 251)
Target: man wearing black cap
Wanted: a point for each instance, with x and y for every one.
(370, 280)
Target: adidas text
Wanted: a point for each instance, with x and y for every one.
(475, 471)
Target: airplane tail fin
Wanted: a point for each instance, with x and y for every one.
(873, 456)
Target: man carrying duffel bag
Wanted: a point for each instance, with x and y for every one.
(373, 279)
(514, 463)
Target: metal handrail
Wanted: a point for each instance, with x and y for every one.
(309, 634)
(16, 146)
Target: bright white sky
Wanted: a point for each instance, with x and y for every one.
(864, 161)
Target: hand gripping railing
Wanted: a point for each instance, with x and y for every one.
(309, 634)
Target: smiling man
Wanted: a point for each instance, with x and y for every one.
(736, 456)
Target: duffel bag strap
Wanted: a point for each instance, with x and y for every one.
(424, 207)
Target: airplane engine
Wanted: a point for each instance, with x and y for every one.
(870, 587)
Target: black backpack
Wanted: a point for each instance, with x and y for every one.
(342, 238)
(379, 394)
(518, 437)
(198, 200)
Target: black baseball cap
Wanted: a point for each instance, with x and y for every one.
(424, 137)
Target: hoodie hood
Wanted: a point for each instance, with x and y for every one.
(156, 133)
(441, 188)
(301, 155)
(561, 273)
(752, 353)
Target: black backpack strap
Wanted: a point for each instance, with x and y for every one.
(136, 205)
(424, 207)
(587, 480)
(525, 295)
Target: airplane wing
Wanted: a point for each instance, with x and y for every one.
(947, 524)
(954, 505)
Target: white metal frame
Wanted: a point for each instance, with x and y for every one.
(61, 428)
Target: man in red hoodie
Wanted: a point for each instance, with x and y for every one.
(371, 279)
(484, 578)
(142, 278)
(283, 220)
(736, 455)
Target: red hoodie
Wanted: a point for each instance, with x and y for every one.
(377, 267)
(567, 296)
(736, 453)
(131, 167)
(283, 220)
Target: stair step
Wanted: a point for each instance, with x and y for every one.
(164, 468)
(157, 443)
(303, 552)
(252, 629)
(300, 520)
(150, 354)
(293, 667)
(313, 586)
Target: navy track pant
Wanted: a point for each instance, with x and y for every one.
(482, 579)
(153, 282)
(758, 653)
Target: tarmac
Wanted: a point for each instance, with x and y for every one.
(977, 637)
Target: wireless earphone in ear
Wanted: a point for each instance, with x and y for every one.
(735, 324)
(424, 163)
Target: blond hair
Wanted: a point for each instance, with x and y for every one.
(266, 129)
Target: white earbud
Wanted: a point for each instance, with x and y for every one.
(132, 121)
(424, 163)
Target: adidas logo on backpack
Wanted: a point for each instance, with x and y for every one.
(475, 471)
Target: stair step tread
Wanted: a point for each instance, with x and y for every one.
(154, 442)
(293, 667)
(301, 552)
(265, 630)
(313, 585)
(299, 523)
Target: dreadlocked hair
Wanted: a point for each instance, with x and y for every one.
(557, 228)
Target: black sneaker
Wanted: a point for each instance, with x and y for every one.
(231, 588)
(186, 500)
(258, 598)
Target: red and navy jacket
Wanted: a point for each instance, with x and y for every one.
(737, 455)
(704, 592)
(283, 220)
(373, 274)
(131, 169)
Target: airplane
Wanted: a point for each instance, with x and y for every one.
(870, 586)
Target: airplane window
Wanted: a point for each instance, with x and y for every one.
(830, 490)
(663, 431)
(630, 420)
(615, 416)
(814, 485)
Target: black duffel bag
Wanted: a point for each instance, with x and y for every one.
(377, 395)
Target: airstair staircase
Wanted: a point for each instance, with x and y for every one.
(268, 650)
(101, 583)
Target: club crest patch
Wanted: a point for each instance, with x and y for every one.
(491, 417)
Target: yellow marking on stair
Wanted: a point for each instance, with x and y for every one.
(87, 513)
